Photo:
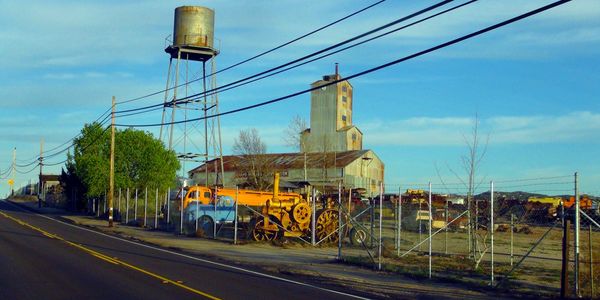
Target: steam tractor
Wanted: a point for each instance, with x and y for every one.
(281, 214)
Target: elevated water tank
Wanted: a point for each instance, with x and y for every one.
(194, 27)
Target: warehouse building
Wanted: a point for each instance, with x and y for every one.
(331, 150)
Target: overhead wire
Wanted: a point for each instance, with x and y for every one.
(83, 149)
(7, 170)
(260, 54)
(343, 49)
(27, 172)
(36, 159)
(397, 21)
(391, 63)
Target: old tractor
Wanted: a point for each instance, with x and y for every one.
(282, 214)
(290, 215)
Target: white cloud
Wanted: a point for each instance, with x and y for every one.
(59, 76)
(425, 131)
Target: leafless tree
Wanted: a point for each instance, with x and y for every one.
(470, 162)
(293, 138)
(253, 167)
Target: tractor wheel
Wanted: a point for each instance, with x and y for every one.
(257, 232)
(301, 213)
(327, 226)
(205, 227)
(357, 236)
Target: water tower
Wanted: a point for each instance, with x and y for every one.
(190, 49)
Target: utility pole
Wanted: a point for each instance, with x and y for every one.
(40, 179)
(576, 242)
(112, 166)
(12, 172)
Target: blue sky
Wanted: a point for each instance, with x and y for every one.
(534, 84)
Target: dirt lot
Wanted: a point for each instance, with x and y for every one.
(401, 278)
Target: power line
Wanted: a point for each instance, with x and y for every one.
(83, 149)
(260, 54)
(181, 100)
(533, 184)
(7, 170)
(440, 46)
(35, 167)
(26, 165)
(36, 159)
(342, 49)
(533, 179)
(56, 164)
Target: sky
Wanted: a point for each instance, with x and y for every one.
(533, 85)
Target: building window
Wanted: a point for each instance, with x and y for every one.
(354, 136)
(344, 88)
(344, 99)
(344, 118)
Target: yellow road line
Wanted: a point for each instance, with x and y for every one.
(110, 259)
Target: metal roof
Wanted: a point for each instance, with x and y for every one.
(285, 161)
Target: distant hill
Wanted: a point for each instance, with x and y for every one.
(518, 195)
(522, 196)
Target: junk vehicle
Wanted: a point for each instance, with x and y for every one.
(207, 214)
(281, 214)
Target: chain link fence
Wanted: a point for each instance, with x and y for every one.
(488, 237)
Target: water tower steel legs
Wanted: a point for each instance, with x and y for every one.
(174, 105)
(162, 121)
(205, 120)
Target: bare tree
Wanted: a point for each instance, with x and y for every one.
(253, 167)
(293, 138)
(476, 150)
(293, 133)
(470, 162)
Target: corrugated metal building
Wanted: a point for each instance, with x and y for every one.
(331, 149)
(355, 169)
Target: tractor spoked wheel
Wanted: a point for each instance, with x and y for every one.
(327, 225)
(205, 227)
(259, 234)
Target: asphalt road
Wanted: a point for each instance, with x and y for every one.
(42, 258)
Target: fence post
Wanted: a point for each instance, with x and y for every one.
(512, 231)
(380, 224)
(430, 221)
(120, 211)
(145, 205)
(168, 200)
(135, 206)
(492, 229)
(564, 274)
(314, 217)
(446, 229)
(591, 263)
(156, 210)
(340, 236)
(420, 226)
(399, 220)
(215, 211)
(127, 207)
(372, 219)
(181, 208)
(235, 225)
(577, 228)
(197, 211)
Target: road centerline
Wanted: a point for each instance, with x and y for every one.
(108, 259)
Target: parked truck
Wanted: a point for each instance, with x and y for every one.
(278, 214)
(208, 215)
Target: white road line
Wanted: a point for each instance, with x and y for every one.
(195, 258)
